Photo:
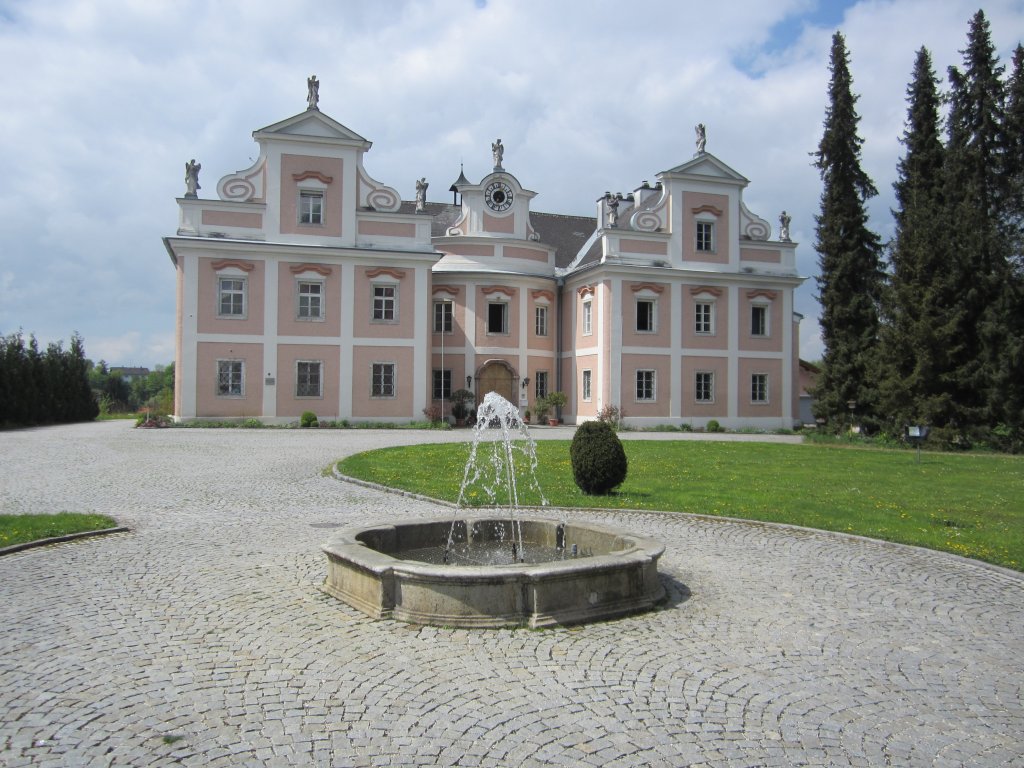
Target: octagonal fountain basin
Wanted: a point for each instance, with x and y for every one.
(557, 573)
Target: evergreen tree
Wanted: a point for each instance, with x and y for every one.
(976, 195)
(920, 303)
(1008, 401)
(848, 258)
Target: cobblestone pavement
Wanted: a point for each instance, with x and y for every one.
(200, 637)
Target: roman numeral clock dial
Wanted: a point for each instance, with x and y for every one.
(498, 196)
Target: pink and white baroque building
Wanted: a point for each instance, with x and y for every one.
(309, 286)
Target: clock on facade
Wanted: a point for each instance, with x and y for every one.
(498, 196)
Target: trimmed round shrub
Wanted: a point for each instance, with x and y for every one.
(714, 426)
(599, 461)
(308, 419)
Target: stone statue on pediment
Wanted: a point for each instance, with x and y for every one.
(421, 194)
(498, 152)
(784, 220)
(192, 169)
(613, 211)
(702, 138)
(313, 92)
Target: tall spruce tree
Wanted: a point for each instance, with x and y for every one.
(976, 195)
(920, 301)
(850, 277)
(1008, 401)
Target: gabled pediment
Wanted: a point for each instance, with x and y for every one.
(312, 124)
(706, 164)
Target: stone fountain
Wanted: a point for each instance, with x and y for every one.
(491, 570)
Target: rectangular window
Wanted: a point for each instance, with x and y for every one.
(308, 378)
(443, 317)
(540, 318)
(385, 299)
(497, 317)
(703, 318)
(704, 387)
(586, 384)
(645, 316)
(705, 236)
(645, 385)
(588, 318)
(759, 388)
(442, 383)
(540, 384)
(311, 207)
(758, 321)
(230, 378)
(231, 297)
(311, 300)
(382, 382)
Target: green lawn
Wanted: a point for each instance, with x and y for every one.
(971, 505)
(17, 529)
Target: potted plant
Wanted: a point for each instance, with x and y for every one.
(541, 408)
(556, 400)
(526, 416)
(460, 399)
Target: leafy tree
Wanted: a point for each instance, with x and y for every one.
(849, 260)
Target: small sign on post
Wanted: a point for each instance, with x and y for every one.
(917, 435)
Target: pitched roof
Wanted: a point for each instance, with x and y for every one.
(566, 234)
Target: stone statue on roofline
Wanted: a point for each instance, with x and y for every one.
(192, 169)
(313, 92)
(421, 194)
(498, 152)
(702, 138)
(784, 220)
(613, 211)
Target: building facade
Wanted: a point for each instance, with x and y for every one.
(306, 285)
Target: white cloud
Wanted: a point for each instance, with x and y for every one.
(118, 94)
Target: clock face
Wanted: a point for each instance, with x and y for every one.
(498, 196)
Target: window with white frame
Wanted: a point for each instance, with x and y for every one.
(540, 320)
(230, 378)
(382, 380)
(758, 320)
(231, 297)
(645, 384)
(705, 236)
(385, 303)
(588, 317)
(704, 387)
(497, 317)
(309, 378)
(586, 384)
(311, 300)
(704, 318)
(311, 207)
(645, 314)
(759, 388)
(540, 384)
(442, 383)
(443, 316)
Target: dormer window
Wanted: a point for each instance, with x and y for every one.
(705, 236)
(311, 207)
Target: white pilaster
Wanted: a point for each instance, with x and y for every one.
(270, 340)
(348, 293)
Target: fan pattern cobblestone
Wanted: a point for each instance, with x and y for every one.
(201, 638)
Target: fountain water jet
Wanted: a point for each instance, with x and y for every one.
(494, 572)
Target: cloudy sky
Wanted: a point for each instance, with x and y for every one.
(104, 102)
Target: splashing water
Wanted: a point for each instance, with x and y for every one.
(512, 453)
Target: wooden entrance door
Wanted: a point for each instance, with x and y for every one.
(497, 376)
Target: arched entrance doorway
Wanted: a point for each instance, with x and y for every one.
(497, 376)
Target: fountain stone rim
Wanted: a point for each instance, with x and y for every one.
(603, 585)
